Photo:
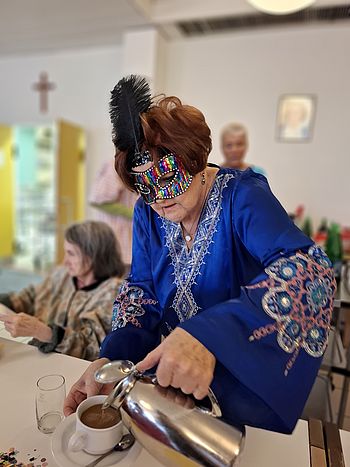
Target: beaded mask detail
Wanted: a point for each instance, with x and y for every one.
(141, 158)
(150, 186)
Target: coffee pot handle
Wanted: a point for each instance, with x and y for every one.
(123, 387)
(215, 407)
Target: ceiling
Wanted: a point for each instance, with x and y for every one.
(30, 26)
(39, 26)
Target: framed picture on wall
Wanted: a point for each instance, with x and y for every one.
(295, 118)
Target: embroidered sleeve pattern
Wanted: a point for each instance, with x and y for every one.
(128, 307)
(300, 299)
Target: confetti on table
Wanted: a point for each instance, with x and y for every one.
(9, 459)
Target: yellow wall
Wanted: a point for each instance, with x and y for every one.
(81, 176)
(71, 180)
(6, 193)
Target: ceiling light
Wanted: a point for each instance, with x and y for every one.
(280, 7)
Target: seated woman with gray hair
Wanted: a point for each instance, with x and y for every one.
(70, 311)
(234, 145)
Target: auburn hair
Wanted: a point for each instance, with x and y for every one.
(182, 129)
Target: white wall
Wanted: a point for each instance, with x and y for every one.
(239, 77)
(83, 79)
(230, 77)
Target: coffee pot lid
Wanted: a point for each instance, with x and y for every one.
(114, 371)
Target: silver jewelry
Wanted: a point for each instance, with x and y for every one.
(188, 233)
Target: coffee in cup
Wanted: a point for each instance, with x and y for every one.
(95, 432)
(96, 417)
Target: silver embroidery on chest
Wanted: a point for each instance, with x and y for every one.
(186, 263)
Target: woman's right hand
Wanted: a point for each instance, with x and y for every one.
(86, 386)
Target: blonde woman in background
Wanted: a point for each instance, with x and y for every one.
(234, 145)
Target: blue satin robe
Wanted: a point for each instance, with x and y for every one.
(253, 289)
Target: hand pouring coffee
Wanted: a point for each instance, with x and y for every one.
(167, 422)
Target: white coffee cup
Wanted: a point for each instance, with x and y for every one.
(93, 440)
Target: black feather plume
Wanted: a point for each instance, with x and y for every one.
(130, 97)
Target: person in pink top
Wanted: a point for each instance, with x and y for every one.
(114, 204)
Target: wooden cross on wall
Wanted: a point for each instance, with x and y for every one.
(43, 86)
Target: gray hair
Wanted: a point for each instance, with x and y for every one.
(97, 241)
(234, 128)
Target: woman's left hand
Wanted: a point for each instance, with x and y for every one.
(183, 362)
(22, 324)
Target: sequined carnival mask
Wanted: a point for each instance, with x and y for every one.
(153, 183)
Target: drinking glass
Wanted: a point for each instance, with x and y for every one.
(50, 395)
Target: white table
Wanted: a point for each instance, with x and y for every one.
(20, 367)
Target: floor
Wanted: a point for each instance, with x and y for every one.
(13, 279)
(335, 399)
(340, 358)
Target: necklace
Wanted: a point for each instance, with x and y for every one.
(188, 235)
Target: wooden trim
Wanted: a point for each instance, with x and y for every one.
(325, 444)
(318, 456)
(335, 457)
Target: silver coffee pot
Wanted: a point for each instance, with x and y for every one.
(167, 422)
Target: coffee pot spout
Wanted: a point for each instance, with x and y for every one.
(116, 397)
(117, 372)
(110, 399)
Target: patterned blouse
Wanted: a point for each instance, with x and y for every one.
(79, 318)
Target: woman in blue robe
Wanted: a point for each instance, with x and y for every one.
(224, 289)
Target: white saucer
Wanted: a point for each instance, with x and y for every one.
(67, 458)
